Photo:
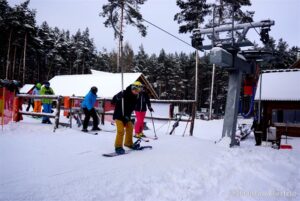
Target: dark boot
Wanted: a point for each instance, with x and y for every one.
(84, 130)
(257, 135)
(96, 129)
(120, 150)
(135, 146)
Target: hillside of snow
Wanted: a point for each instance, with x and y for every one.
(38, 164)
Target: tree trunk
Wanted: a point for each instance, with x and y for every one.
(70, 66)
(121, 52)
(50, 68)
(14, 63)
(38, 73)
(7, 57)
(20, 64)
(83, 60)
(24, 59)
(77, 65)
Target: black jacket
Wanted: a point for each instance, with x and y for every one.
(130, 101)
(142, 102)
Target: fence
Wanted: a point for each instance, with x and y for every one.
(56, 114)
(72, 108)
(170, 110)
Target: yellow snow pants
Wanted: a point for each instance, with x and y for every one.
(128, 127)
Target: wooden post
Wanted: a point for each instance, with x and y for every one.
(102, 115)
(2, 109)
(57, 113)
(71, 112)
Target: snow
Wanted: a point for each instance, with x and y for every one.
(40, 165)
(26, 88)
(279, 86)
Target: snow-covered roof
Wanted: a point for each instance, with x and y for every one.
(26, 88)
(108, 84)
(279, 86)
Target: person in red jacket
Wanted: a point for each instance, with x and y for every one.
(140, 112)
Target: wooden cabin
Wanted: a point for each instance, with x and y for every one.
(278, 93)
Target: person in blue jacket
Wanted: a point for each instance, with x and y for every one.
(89, 111)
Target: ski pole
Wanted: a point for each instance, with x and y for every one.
(186, 127)
(153, 125)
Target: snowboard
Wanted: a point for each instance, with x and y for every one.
(113, 154)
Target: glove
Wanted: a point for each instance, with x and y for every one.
(126, 119)
(150, 109)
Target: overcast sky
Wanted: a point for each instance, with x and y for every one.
(79, 14)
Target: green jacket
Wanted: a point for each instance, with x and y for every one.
(46, 91)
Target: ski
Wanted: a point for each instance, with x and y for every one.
(147, 138)
(78, 120)
(109, 131)
(113, 154)
(91, 132)
(152, 138)
(142, 139)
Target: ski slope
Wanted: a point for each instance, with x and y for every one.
(37, 164)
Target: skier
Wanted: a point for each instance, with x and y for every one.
(125, 102)
(47, 102)
(37, 101)
(30, 102)
(89, 111)
(15, 86)
(140, 112)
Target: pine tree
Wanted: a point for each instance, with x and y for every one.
(128, 56)
(192, 13)
(115, 19)
(140, 61)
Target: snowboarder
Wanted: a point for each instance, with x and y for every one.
(125, 102)
(47, 102)
(89, 111)
(37, 101)
(140, 112)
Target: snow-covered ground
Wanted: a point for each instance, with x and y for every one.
(37, 164)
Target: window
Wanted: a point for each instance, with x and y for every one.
(286, 116)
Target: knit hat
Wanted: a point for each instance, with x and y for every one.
(94, 90)
(38, 85)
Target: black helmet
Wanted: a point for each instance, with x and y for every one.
(47, 84)
(94, 90)
(17, 83)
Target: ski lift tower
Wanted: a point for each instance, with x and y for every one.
(225, 54)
